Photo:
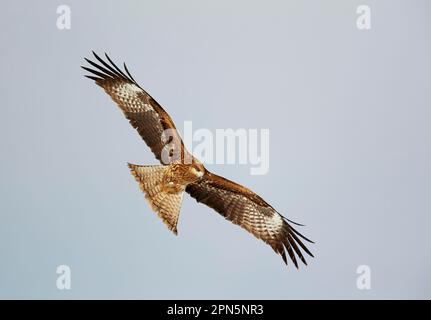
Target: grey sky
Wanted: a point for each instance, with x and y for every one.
(348, 113)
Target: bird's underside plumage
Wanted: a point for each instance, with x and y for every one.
(165, 184)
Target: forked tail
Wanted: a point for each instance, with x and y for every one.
(166, 204)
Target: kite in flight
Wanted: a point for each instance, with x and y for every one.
(164, 185)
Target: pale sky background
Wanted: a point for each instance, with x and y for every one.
(349, 118)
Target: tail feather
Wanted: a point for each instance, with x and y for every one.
(166, 204)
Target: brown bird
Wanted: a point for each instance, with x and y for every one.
(164, 185)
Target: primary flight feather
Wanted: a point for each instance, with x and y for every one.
(164, 185)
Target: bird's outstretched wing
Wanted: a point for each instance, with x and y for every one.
(151, 121)
(246, 209)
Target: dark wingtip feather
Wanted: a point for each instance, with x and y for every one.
(90, 76)
(93, 78)
(298, 241)
(108, 73)
(106, 65)
(127, 71)
(299, 234)
(290, 252)
(116, 68)
(296, 249)
(283, 255)
(107, 70)
(295, 223)
(95, 72)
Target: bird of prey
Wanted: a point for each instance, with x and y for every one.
(164, 185)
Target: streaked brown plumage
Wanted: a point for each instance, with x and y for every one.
(164, 185)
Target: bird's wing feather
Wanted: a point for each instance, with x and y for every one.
(246, 209)
(151, 121)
